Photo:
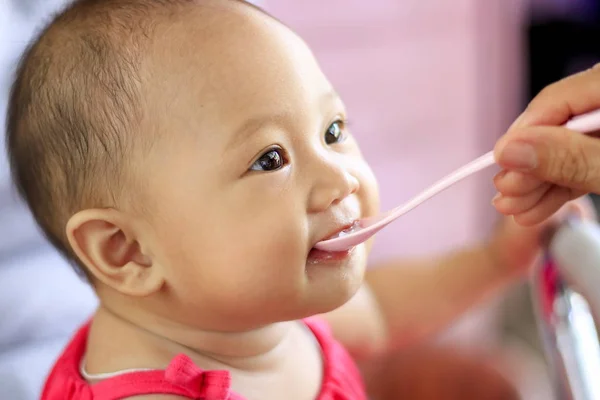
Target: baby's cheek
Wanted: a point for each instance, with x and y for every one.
(369, 192)
(369, 198)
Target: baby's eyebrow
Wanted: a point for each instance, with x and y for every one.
(253, 125)
(330, 96)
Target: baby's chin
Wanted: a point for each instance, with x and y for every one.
(332, 286)
(333, 301)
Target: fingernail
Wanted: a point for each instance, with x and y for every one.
(518, 155)
(500, 175)
(496, 198)
(522, 120)
(517, 122)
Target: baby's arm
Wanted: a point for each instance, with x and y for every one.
(405, 300)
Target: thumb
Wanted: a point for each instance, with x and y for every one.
(552, 154)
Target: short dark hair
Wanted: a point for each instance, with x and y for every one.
(74, 107)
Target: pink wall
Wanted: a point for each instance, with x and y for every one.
(429, 85)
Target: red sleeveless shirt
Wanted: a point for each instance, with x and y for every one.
(341, 380)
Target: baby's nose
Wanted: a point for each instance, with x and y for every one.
(333, 184)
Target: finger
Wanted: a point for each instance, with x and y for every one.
(550, 203)
(555, 104)
(553, 154)
(514, 183)
(518, 205)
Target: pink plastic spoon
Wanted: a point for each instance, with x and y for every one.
(365, 228)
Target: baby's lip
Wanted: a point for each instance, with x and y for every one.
(344, 230)
(316, 256)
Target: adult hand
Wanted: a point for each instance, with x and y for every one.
(546, 165)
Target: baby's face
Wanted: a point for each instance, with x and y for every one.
(256, 166)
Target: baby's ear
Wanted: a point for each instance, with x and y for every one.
(106, 241)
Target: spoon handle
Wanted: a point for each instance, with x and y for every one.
(585, 123)
(486, 160)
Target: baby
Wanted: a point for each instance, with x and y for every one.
(187, 156)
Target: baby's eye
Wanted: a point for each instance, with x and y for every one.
(335, 132)
(272, 160)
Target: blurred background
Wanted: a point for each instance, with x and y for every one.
(430, 85)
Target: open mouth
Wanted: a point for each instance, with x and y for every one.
(316, 256)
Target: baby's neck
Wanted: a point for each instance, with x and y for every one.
(261, 349)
